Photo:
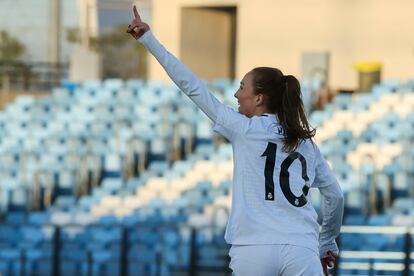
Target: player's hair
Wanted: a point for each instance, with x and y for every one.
(284, 98)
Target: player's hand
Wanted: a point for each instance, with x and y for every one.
(328, 262)
(137, 28)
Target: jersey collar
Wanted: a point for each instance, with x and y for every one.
(272, 116)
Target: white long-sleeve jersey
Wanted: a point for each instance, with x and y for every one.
(270, 199)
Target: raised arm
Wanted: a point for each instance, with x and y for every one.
(178, 72)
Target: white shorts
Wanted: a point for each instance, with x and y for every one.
(274, 259)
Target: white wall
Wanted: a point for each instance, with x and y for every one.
(276, 32)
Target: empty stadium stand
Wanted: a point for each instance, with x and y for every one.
(128, 178)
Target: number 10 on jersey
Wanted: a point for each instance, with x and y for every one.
(270, 154)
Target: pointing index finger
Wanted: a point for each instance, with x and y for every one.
(136, 14)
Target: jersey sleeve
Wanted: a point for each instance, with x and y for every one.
(226, 121)
(193, 87)
(332, 205)
(230, 123)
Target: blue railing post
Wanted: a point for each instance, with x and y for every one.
(193, 254)
(124, 252)
(56, 252)
(407, 251)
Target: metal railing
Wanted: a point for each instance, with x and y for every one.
(190, 267)
(372, 261)
(369, 262)
(31, 76)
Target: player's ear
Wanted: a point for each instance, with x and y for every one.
(260, 99)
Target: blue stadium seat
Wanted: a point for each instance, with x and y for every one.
(355, 220)
(112, 184)
(159, 168)
(61, 218)
(392, 84)
(112, 166)
(114, 84)
(38, 218)
(379, 220)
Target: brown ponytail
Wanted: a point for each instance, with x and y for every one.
(284, 98)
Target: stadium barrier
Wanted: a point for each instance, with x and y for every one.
(375, 250)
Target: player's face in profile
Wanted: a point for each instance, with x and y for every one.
(245, 96)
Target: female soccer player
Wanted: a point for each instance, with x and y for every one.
(273, 226)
